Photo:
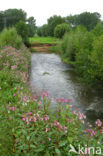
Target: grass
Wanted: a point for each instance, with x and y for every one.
(48, 40)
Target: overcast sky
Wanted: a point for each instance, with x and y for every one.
(43, 9)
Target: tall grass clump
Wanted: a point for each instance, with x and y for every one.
(9, 37)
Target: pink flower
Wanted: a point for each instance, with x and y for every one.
(46, 117)
(27, 122)
(30, 113)
(7, 64)
(93, 133)
(47, 129)
(34, 119)
(41, 119)
(62, 100)
(13, 67)
(90, 131)
(63, 128)
(12, 108)
(23, 119)
(99, 123)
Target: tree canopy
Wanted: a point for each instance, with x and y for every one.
(87, 19)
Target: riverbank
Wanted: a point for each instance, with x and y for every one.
(28, 125)
(41, 47)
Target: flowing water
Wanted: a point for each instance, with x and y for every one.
(59, 79)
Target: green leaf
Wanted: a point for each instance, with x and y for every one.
(47, 153)
(63, 143)
(70, 139)
(57, 151)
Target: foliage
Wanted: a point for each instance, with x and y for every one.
(53, 22)
(39, 31)
(55, 49)
(98, 30)
(61, 29)
(11, 38)
(87, 19)
(43, 30)
(23, 31)
(84, 50)
(73, 42)
(96, 58)
(10, 17)
(32, 49)
(32, 26)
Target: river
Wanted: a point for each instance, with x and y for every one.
(49, 73)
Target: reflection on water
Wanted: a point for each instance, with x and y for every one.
(59, 79)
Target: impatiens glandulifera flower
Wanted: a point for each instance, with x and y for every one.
(30, 113)
(47, 129)
(13, 67)
(62, 100)
(98, 123)
(12, 108)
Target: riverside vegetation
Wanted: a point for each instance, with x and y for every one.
(84, 50)
(28, 125)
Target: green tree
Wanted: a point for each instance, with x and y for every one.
(39, 31)
(44, 30)
(98, 29)
(23, 31)
(13, 16)
(87, 19)
(61, 29)
(53, 22)
(32, 26)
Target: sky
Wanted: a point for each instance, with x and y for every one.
(43, 9)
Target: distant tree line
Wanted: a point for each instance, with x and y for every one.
(86, 19)
(17, 18)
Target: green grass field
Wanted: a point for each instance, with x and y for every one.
(48, 40)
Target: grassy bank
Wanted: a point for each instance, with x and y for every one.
(43, 40)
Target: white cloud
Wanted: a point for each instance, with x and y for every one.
(43, 9)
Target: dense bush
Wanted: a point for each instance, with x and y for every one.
(23, 31)
(61, 29)
(96, 58)
(73, 42)
(11, 38)
(84, 50)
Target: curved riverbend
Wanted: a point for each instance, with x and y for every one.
(59, 79)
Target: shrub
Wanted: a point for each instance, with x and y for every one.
(76, 41)
(96, 58)
(9, 37)
(61, 29)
